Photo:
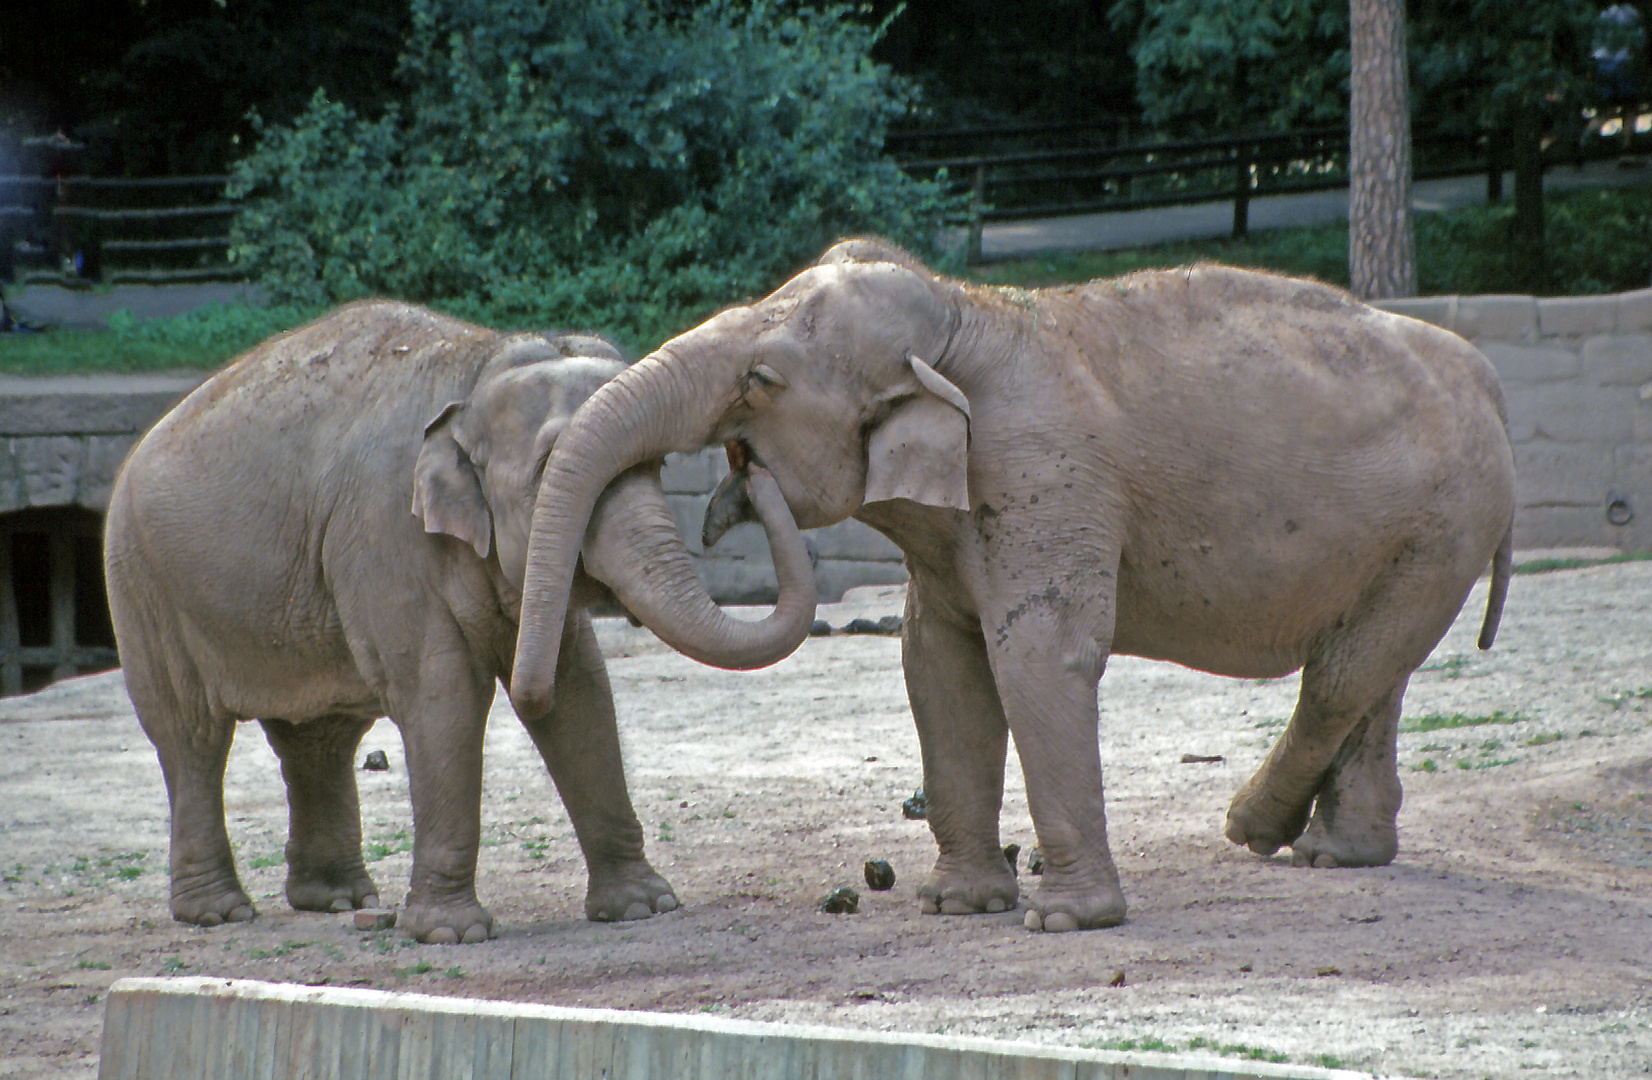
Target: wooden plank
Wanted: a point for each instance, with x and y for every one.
(11, 664)
(160, 214)
(60, 546)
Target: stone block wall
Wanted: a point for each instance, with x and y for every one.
(1577, 373)
(63, 439)
(738, 569)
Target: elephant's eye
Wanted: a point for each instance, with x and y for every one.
(767, 377)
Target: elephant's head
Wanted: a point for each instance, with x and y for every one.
(478, 475)
(830, 384)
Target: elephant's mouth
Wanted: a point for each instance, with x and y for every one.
(740, 454)
(729, 505)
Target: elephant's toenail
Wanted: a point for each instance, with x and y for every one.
(1059, 922)
(1033, 921)
(995, 905)
(370, 900)
(442, 936)
(342, 903)
(637, 910)
(666, 903)
(1325, 861)
(928, 905)
(476, 935)
(1299, 859)
(211, 918)
(958, 907)
(243, 913)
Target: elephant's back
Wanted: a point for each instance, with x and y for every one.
(364, 357)
(302, 444)
(1287, 446)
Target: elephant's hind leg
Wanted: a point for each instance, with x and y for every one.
(193, 747)
(1359, 799)
(1339, 745)
(964, 738)
(324, 865)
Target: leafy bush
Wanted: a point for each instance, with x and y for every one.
(1597, 240)
(588, 162)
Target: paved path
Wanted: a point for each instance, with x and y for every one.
(48, 305)
(1205, 221)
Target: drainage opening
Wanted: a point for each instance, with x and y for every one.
(54, 613)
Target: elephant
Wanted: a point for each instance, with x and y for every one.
(333, 529)
(1240, 472)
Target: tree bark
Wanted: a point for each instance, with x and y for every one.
(1382, 260)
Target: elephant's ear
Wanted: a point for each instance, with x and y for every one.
(921, 450)
(447, 495)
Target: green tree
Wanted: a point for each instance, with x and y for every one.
(1517, 69)
(625, 165)
(1238, 65)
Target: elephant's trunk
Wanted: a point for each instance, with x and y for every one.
(658, 406)
(632, 546)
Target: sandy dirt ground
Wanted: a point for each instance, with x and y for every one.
(1512, 937)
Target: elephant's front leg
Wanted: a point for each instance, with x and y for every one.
(442, 712)
(1047, 666)
(963, 736)
(579, 741)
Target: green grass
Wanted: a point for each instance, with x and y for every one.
(1449, 668)
(284, 949)
(91, 870)
(1437, 721)
(423, 967)
(201, 340)
(382, 847)
(1545, 566)
(1157, 1045)
(1617, 701)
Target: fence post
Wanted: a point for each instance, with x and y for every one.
(1241, 191)
(977, 206)
(1494, 166)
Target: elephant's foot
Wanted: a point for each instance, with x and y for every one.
(460, 920)
(1059, 906)
(1353, 822)
(331, 889)
(628, 891)
(1261, 820)
(958, 888)
(210, 898)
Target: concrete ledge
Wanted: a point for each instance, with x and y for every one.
(218, 1029)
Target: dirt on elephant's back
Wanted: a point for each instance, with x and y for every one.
(1512, 937)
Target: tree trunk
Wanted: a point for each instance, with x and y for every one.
(1382, 260)
(1527, 239)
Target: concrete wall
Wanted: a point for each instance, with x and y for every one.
(1577, 372)
(62, 439)
(218, 1029)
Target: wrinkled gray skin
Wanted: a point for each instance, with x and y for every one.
(1242, 473)
(333, 529)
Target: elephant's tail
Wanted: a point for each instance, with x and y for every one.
(1501, 565)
